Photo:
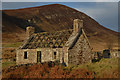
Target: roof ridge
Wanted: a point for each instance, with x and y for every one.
(55, 31)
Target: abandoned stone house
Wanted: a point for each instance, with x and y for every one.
(67, 46)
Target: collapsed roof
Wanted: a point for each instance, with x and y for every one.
(48, 40)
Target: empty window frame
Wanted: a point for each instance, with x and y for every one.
(54, 55)
(25, 55)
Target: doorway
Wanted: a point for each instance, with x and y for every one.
(38, 56)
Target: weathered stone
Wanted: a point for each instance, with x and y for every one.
(111, 53)
(80, 53)
(76, 50)
(77, 25)
(29, 31)
(115, 53)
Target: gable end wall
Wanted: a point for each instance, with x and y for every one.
(80, 53)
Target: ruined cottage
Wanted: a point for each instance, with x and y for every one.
(67, 46)
(111, 53)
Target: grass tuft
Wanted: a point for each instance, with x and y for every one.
(12, 44)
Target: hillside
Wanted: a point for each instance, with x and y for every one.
(51, 18)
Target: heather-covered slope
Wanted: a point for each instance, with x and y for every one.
(105, 68)
(51, 18)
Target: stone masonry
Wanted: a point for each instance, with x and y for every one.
(68, 46)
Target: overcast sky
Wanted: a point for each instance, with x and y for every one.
(106, 13)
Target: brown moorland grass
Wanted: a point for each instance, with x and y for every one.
(106, 68)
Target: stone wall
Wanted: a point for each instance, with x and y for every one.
(31, 56)
(115, 53)
(47, 54)
(29, 31)
(80, 53)
(77, 25)
(65, 49)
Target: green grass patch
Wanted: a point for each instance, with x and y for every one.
(101, 67)
(17, 44)
(7, 64)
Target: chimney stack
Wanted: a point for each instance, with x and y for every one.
(29, 31)
(77, 25)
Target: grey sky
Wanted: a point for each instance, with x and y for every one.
(59, 0)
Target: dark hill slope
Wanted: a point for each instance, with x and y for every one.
(55, 17)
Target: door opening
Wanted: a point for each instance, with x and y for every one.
(38, 56)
